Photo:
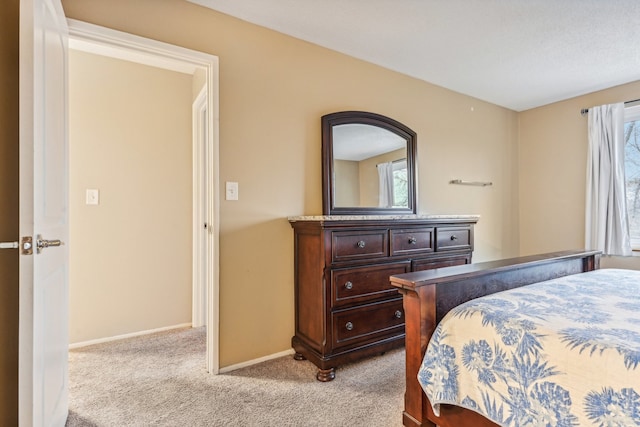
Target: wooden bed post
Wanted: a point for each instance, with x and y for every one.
(420, 322)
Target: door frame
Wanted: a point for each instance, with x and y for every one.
(201, 171)
(105, 41)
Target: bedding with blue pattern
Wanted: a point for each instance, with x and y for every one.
(565, 352)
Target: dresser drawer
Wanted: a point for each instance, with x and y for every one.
(359, 284)
(368, 322)
(453, 238)
(352, 245)
(412, 241)
(449, 261)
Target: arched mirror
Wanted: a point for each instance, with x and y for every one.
(368, 165)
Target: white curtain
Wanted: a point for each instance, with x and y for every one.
(385, 179)
(606, 222)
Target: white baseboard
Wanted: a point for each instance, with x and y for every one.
(183, 325)
(131, 335)
(255, 361)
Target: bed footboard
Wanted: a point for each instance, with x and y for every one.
(428, 295)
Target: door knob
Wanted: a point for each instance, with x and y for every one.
(43, 243)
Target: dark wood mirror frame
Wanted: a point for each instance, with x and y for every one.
(328, 184)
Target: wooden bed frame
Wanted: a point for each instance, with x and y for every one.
(429, 295)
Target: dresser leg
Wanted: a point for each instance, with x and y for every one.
(326, 375)
(299, 356)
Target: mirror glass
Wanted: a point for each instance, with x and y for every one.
(368, 165)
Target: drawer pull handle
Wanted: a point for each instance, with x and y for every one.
(454, 237)
(398, 314)
(360, 244)
(349, 326)
(348, 285)
(412, 240)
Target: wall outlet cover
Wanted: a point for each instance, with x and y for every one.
(231, 190)
(93, 197)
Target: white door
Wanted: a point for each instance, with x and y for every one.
(43, 352)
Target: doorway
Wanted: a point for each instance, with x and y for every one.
(149, 240)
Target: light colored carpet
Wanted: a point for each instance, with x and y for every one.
(160, 380)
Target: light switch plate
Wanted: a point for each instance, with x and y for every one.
(93, 197)
(231, 190)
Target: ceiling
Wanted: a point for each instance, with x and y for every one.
(356, 141)
(518, 54)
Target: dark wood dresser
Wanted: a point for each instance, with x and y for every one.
(346, 308)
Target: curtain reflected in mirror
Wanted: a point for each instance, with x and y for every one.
(393, 190)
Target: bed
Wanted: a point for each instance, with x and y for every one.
(571, 359)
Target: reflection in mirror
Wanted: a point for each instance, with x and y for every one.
(368, 165)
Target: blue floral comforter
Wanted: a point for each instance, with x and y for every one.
(565, 352)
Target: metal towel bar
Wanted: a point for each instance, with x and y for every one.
(476, 183)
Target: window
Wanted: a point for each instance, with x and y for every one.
(632, 171)
(400, 184)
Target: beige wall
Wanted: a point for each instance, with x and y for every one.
(347, 172)
(130, 256)
(553, 158)
(9, 146)
(273, 91)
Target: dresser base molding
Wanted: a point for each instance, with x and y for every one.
(327, 365)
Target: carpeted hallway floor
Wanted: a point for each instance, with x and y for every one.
(160, 380)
